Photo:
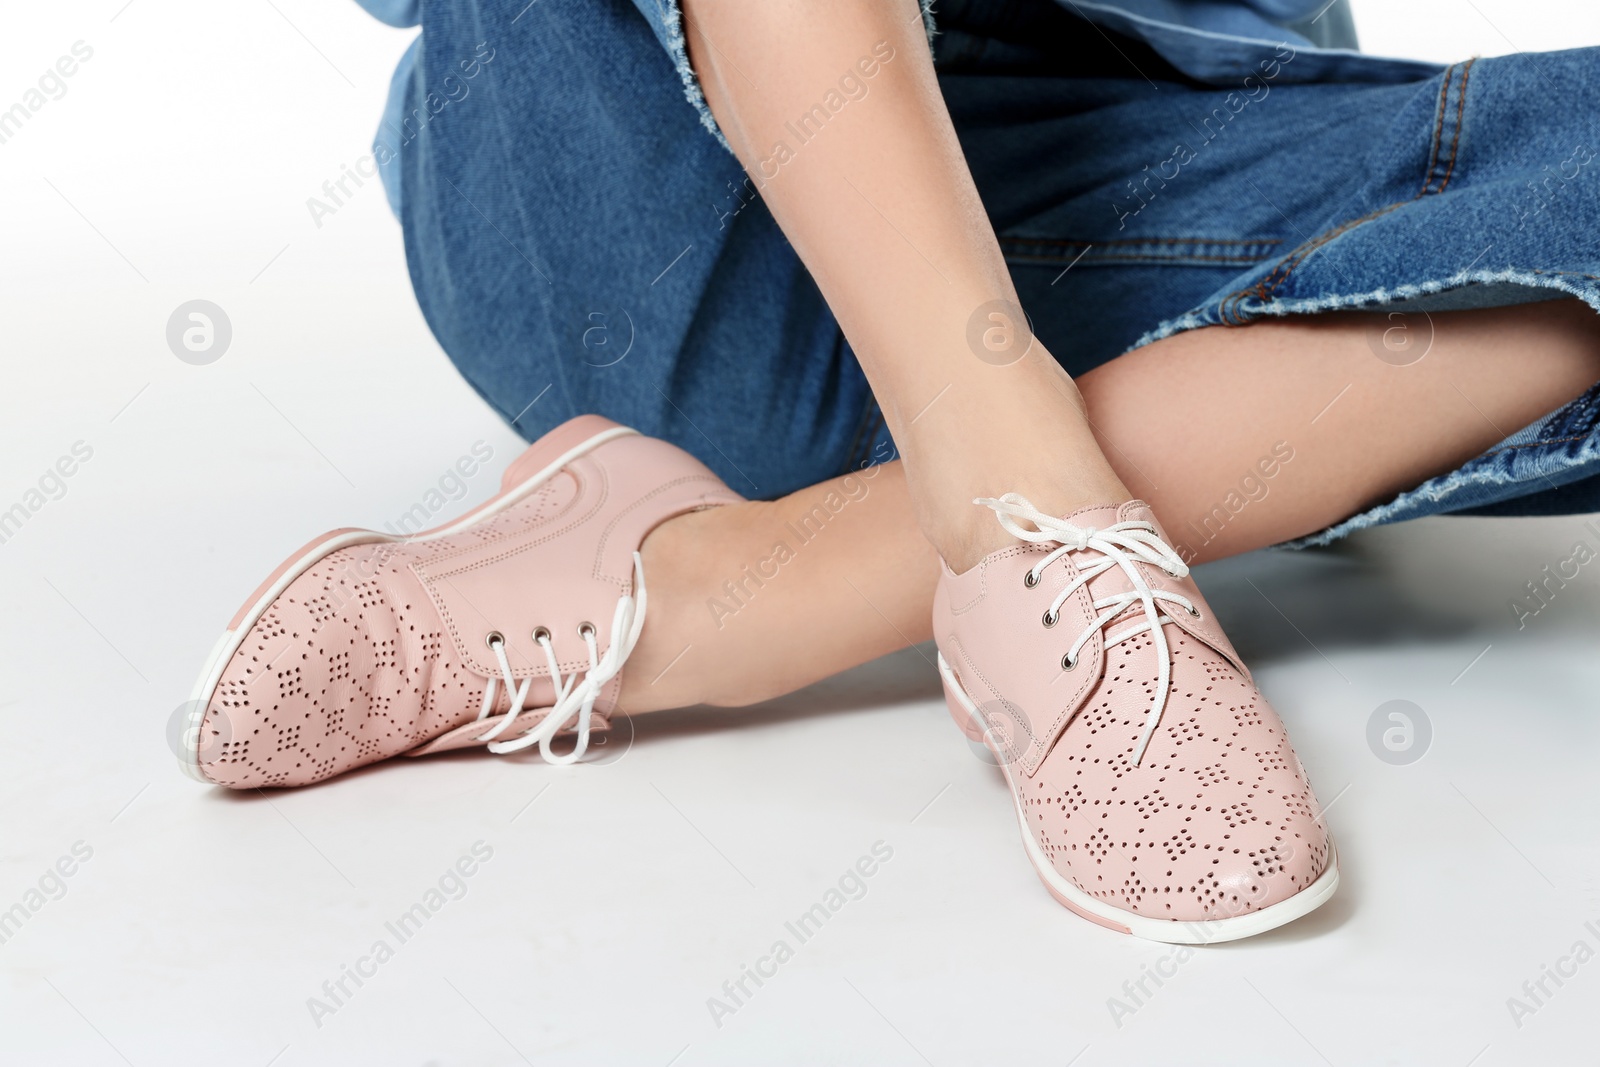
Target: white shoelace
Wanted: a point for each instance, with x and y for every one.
(1125, 545)
(574, 697)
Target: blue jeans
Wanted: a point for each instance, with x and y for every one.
(580, 243)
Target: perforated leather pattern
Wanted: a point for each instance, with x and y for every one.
(350, 664)
(1217, 820)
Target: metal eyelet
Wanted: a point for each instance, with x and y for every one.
(1050, 619)
(587, 629)
(495, 638)
(1030, 579)
(1193, 611)
(541, 633)
(1067, 662)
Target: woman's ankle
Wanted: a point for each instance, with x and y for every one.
(750, 601)
(1034, 440)
(679, 560)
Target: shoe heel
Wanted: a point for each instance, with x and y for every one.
(962, 717)
(552, 445)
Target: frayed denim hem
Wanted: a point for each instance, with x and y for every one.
(1507, 471)
(1585, 287)
(678, 48)
(1561, 448)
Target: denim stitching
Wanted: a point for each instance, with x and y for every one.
(1461, 110)
(1536, 444)
(1438, 129)
(1132, 258)
(1569, 273)
(1264, 289)
(1268, 287)
(1148, 241)
(1114, 256)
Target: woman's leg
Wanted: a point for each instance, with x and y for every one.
(877, 199)
(753, 601)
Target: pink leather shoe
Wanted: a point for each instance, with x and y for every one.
(506, 627)
(1157, 790)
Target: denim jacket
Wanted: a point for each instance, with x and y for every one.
(1216, 41)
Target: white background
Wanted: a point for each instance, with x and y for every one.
(178, 166)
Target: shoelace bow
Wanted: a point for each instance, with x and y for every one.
(1123, 545)
(573, 697)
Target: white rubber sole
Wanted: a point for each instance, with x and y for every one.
(229, 642)
(1194, 932)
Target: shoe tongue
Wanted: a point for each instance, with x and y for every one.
(1114, 580)
(1103, 515)
(1098, 517)
(1204, 627)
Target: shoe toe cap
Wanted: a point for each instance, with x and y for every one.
(1253, 871)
